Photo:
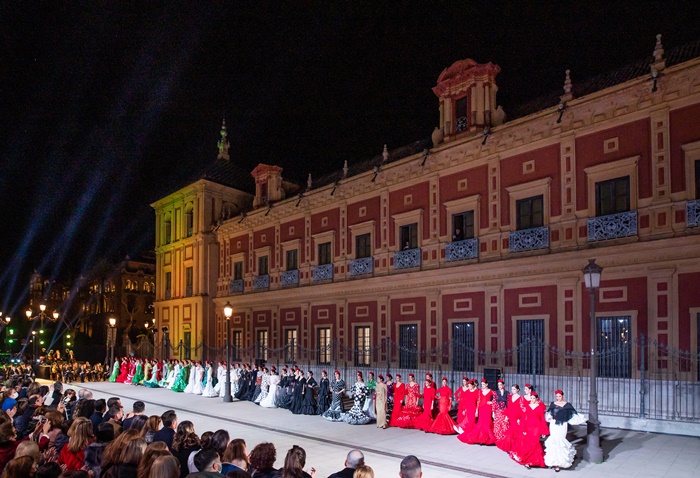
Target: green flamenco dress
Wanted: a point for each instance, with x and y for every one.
(166, 372)
(181, 381)
(115, 372)
(138, 374)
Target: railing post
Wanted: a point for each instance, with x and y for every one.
(181, 348)
(642, 385)
(388, 357)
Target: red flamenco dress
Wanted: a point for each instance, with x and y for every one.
(425, 420)
(399, 393)
(466, 413)
(528, 450)
(123, 371)
(411, 410)
(443, 423)
(132, 372)
(500, 421)
(482, 433)
(515, 415)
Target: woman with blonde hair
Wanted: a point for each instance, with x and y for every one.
(151, 427)
(79, 437)
(112, 453)
(363, 471)
(22, 467)
(153, 451)
(128, 461)
(165, 467)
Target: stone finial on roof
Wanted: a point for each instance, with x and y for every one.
(385, 154)
(345, 169)
(309, 183)
(223, 143)
(567, 96)
(659, 63)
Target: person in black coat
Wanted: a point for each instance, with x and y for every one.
(324, 394)
(309, 404)
(298, 395)
(354, 459)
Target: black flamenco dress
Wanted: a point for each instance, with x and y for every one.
(335, 412)
(242, 385)
(355, 416)
(298, 397)
(309, 402)
(324, 397)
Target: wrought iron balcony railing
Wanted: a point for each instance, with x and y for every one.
(322, 272)
(235, 286)
(362, 266)
(692, 209)
(261, 282)
(407, 259)
(529, 239)
(289, 278)
(188, 291)
(168, 294)
(462, 250)
(612, 226)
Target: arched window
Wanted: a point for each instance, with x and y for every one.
(128, 284)
(189, 220)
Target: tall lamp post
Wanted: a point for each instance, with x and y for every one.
(41, 316)
(111, 338)
(8, 331)
(593, 452)
(228, 312)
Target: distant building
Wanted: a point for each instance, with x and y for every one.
(477, 237)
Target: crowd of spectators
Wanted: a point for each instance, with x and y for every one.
(49, 432)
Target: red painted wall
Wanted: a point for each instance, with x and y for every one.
(371, 319)
(477, 184)
(333, 224)
(687, 297)
(685, 128)
(372, 213)
(547, 164)
(419, 200)
(418, 317)
(477, 313)
(633, 140)
(285, 236)
(547, 306)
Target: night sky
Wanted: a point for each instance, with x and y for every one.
(106, 107)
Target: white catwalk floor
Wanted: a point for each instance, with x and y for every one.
(628, 454)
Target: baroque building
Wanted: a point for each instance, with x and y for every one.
(477, 236)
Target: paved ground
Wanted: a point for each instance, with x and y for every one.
(627, 454)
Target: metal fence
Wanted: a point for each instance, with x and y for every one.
(636, 378)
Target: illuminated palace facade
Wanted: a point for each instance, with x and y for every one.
(478, 235)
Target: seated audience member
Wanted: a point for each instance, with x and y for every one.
(128, 462)
(262, 461)
(99, 410)
(185, 443)
(153, 451)
(22, 467)
(79, 437)
(94, 453)
(151, 427)
(166, 434)
(138, 409)
(165, 467)
(354, 459)
(363, 471)
(49, 469)
(235, 457)
(410, 467)
(208, 463)
(294, 464)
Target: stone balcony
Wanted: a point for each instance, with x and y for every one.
(612, 226)
(462, 250)
(529, 239)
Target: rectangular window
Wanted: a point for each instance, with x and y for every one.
(261, 344)
(697, 179)
(409, 236)
(463, 226)
(237, 270)
(362, 345)
(262, 266)
(187, 345)
(531, 347)
(461, 114)
(363, 246)
(614, 347)
(612, 196)
(463, 346)
(292, 260)
(168, 231)
(168, 284)
(324, 253)
(189, 223)
(408, 346)
(530, 212)
(290, 342)
(188, 281)
(237, 344)
(324, 345)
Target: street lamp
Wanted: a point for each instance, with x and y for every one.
(228, 312)
(111, 338)
(41, 316)
(593, 452)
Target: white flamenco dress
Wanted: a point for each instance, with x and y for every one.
(220, 379)
(558, 451)
(172, 375)
(190, 380)
(271, 398)
(198, 377)
(209, 391)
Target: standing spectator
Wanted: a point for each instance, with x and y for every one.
(410, 468)
(138, 409)
(354, 459)
(80, 436)
(166, 434)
